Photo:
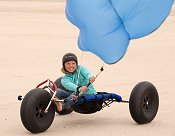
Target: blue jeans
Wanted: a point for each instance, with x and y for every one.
(67, 96)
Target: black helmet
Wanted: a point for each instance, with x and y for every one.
(68, 57)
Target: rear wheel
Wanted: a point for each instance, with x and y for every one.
(32, 112)
(144, 102)
(59, 85)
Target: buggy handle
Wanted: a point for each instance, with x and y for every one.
(48, 80)
(79, 94)
(88, 84)
(101, 69)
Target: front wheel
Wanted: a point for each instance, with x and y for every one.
(32, 112)
(144, 102)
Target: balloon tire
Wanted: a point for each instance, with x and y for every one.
(32, 110)
(144, 102)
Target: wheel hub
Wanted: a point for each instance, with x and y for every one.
(147, 103)
(40, 114)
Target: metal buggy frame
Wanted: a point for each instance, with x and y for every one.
(38, 107)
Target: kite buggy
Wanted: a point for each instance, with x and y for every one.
(38, 107)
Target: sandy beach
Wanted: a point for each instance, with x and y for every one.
(35, 34)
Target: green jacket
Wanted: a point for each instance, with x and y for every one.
(69, 81)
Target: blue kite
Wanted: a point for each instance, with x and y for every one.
(107, 26)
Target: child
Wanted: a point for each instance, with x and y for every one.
(76, 76)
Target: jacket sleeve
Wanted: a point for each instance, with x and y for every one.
(86, 73)
(66, 82)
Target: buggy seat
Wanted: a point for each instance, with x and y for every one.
(93, 103)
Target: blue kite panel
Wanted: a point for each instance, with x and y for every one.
(107, 26)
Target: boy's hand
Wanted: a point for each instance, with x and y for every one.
(92, 79)
(83, 88)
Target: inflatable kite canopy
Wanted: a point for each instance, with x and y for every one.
(107, 26)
